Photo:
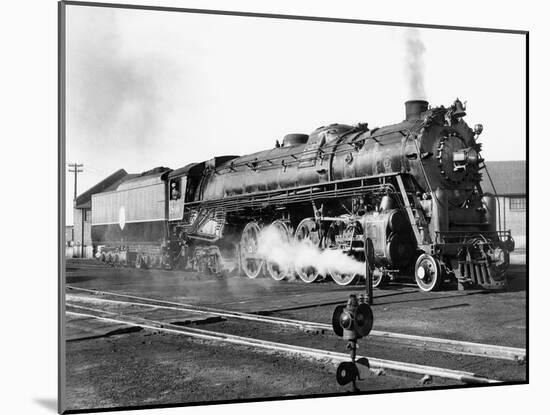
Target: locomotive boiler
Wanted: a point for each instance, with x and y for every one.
(413, 188)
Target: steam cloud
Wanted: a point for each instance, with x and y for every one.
(415, 64)
(303, 254)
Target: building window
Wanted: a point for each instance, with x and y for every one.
(87, 216)
(518, 203)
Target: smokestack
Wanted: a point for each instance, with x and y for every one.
(413, 109)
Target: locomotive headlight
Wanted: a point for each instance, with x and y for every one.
(459, 156)
(466, 156)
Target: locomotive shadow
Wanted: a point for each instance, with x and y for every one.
(517, 284)
(517, 278)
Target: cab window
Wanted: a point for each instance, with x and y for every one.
(175, 189)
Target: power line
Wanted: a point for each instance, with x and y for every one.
(76, 168)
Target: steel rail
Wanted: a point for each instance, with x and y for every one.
(430, 343)
(457, 375)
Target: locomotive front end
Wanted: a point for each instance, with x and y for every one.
(464, 232)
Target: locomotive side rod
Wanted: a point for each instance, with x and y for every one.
(369, 362)
(431, 343)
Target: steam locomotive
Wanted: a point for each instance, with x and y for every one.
(413, 188)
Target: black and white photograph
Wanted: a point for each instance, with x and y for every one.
(265, 207)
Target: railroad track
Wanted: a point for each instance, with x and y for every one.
(365, 363)
(422, 342)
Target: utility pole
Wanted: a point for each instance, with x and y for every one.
(76, 168)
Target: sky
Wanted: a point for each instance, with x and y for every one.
(150, 88)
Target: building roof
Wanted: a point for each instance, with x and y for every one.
(84, 200)
(509, 177)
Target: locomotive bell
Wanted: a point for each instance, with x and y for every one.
(459, 110)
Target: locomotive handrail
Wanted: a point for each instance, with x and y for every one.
(504, 232)
(444, 236)
(292, 189)
(495, 192)
(292, 195)
(252, 202)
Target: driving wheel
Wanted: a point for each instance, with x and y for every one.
(277, 271)
(251, 261)
(308, 232)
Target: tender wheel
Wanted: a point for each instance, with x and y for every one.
(139, 261)
(146, 261)
(427, 273)
(251, 262)
(277, 271)
(182, 260)
(345, 279)
(307, 230)
(379, 278)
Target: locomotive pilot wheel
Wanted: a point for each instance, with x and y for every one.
(307, 230)
(251, 261)
(277, 271)
(427, 273)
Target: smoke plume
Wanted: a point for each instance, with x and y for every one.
(302, 254)
(118, 94)
(415, 64)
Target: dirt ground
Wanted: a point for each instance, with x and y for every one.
(154, 368)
